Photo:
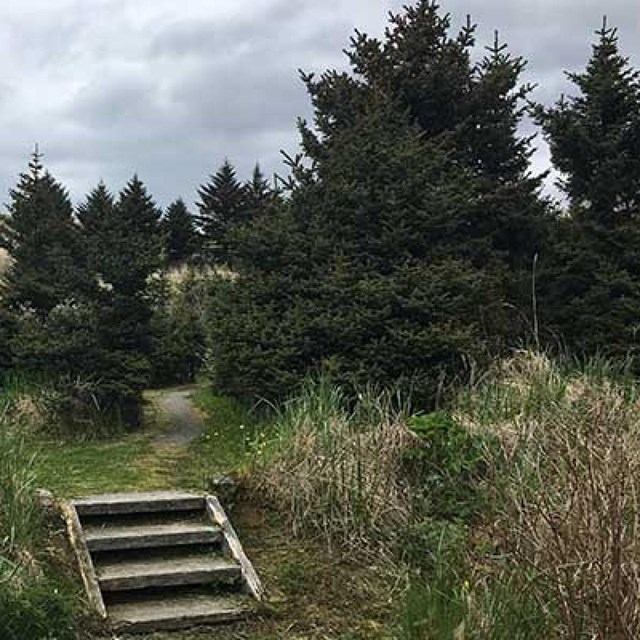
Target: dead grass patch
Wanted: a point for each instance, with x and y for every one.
(567, 486)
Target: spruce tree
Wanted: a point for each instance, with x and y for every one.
(472, 109)
(590, 293)
(131, 254)
(47, 313)
(362, 273)
(595, 136)
(48, 259)
(95, 215)
(222, 207)
(181, 235)
(260, 197)
(391, 261)
(135, 245)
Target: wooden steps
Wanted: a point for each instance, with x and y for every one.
(152, 614)
(160, 560)
(140, 573)
(126, 503)
(146, 536)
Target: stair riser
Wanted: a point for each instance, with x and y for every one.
(220, 577)
(153, 541)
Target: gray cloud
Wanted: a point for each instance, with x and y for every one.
(168, 90)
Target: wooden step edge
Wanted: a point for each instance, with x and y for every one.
(168, 615)
(83, 557)
(131, 503)
(104, 541)
(233, 547)
(168, 577)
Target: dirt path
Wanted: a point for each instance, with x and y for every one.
(184, 422)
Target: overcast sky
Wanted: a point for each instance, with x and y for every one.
(169, 89)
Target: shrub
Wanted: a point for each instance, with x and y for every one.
(451, 461)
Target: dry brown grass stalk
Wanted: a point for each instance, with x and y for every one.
(339, 478)
(569, 480)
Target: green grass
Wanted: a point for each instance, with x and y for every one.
(71, 470)
(134, 463)
(35, 601)
(312, 594)
(226, 445)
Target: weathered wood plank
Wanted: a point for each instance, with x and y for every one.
(116, 538)
(145, 573)
(85, 563)
(176, 613)
(234, 547)
(127, 503)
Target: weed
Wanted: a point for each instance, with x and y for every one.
(566, 487)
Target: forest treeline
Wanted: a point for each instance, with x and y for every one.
(409, 244)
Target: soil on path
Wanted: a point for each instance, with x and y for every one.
(184, 422)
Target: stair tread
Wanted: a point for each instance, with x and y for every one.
(121, 531)
(119, 503)
(149, 572)
(111, 537)
(177, 611)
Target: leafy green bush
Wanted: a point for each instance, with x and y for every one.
(451, 462)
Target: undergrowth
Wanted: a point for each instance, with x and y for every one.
(336, 468)
(556, 553)
(513, 514)
(35, 603)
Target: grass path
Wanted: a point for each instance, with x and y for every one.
(172, 450)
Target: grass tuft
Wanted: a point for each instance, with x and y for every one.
(336, 468)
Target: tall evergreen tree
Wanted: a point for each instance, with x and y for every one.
(590, 294)
(473, 109)
(595, 136)
(48, 260)
(222, 207)
(95, 215)
(260, 197)
(134, 251)
(131, 253)
(181, 235)
(394, 257)
(359, 273)
(47, 312)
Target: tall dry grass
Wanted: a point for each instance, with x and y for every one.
(567, 489)
(336, 470)
(19, 517)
